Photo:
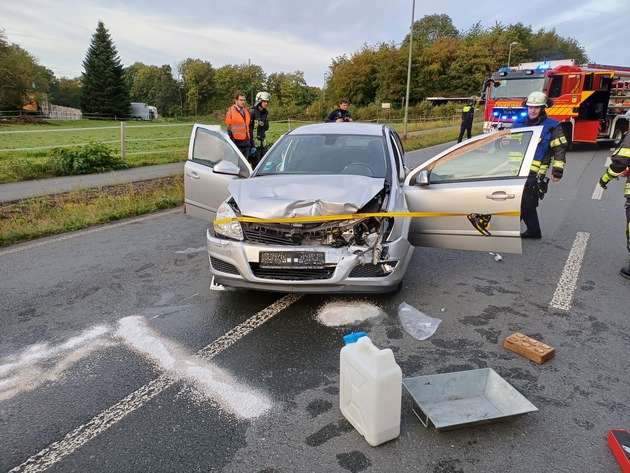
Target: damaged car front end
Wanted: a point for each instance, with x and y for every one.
(310, 243)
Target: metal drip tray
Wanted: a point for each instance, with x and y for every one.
(465, 398)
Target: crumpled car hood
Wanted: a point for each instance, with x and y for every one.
(285, 196)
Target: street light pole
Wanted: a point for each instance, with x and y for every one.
(510, 53)
(413, 11)
(326, 76)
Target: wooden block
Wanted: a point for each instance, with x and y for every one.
(529, 348)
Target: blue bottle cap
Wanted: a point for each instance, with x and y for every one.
(353, 337)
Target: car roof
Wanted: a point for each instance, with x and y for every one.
(372, 129)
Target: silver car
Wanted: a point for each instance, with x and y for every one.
(332, 208)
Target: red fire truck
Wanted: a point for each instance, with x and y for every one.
(592, 101)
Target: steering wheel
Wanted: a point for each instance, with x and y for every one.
(361, 169)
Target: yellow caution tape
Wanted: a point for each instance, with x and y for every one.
(326, 218)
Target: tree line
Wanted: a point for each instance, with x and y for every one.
(445, 62)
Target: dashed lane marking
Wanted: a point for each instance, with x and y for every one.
(213, 382)
(72, 235)
(598, 192)
(568, 280)
(97, 425)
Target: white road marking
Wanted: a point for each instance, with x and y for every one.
(72, 235)
(84, 433)
(568, 280)
(599, 191)
(215, 383)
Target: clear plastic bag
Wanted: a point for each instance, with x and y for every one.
(420, 326)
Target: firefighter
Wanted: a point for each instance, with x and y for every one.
(237, 120)
(620, 165)
(551, 147)
(259, 118)
(468, 115)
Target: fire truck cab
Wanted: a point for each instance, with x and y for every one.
(590, 101)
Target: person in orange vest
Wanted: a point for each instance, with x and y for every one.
(237, 120)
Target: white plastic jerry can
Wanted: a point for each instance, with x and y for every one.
(370, 388)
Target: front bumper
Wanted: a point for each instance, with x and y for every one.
(235, 264)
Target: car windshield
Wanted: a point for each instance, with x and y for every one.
(363, 155)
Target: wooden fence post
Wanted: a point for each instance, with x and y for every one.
(122, 140)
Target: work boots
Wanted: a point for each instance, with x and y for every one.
(533, 236)
(625, 272)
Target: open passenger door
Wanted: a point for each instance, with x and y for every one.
(213, 162)
(470, 195)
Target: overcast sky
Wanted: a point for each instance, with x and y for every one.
(284, 35)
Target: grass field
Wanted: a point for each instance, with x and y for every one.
(37, 217)
(26, 150)
(148, 143)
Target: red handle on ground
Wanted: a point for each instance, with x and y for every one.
(619, 442)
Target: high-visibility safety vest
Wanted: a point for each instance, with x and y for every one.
(551, 144)
(620, 162)
(468, 115)
(237, 123)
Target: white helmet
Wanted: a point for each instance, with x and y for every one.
(538, 99)
(266, 96)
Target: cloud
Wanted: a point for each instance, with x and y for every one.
(282, 35)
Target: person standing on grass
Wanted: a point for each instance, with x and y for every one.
(468, 115)
(260, 120)
(237, 120)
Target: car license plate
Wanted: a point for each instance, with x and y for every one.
(291, 259)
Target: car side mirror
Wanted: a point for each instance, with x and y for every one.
(422, 179)
(226, 167)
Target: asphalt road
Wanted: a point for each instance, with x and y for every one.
(115, 354)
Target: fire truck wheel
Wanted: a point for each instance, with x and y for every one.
(618, 136)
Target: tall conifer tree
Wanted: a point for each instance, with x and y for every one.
(104, 90)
